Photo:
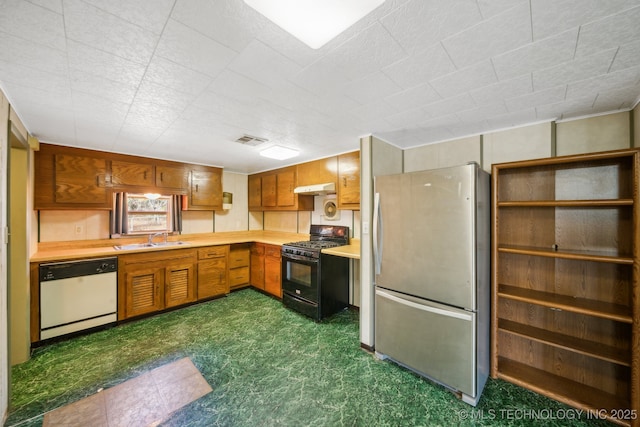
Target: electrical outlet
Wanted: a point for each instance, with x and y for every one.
(78, 229)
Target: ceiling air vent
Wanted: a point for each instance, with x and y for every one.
(251, 140)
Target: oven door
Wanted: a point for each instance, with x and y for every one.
(300, 277)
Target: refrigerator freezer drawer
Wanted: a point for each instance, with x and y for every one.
(433, 339)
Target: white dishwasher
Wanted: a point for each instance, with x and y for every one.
(77, 295)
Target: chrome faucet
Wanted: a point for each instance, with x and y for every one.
(162, 233)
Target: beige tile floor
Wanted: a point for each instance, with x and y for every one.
(146, 400)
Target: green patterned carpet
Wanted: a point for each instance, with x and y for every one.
(268, 366)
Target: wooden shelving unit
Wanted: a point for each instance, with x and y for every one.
(565, 295)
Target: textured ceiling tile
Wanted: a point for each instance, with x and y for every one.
(413, 97)
(581, 106)
(32, 98)
(490, 8)
(49, 124)
(617, 99)
(481, 113)
(628, 56)
(92, 26)
(372, 87)
(368, 51)
(473, 77)
(32, 55)
(191, 49)
(517, 118)
(555, 16)
(52, 5)
(407, 119)
(263, 64)
(33, 77)
(503, 90)
(418, 24)
(17, 17)
(374, 111)
(627, 77)
(578, 69)
(100, 110)
(239, 87)
(102, 87)
(228, 22)
(94, 136)
(161, 95)
(449, 106)
(538, 55)
(541, 97)
(148, 14)
(501, 33)
(88, 60)
(431, 63)
(609, 32)
(175, 76)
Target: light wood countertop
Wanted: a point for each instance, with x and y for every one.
(70, 250)
(352, 250)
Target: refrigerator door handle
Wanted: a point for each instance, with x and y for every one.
(425, 307)
(377, 233)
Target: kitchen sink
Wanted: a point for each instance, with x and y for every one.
(148, 245)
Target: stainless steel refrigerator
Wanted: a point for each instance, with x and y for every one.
(431, 251)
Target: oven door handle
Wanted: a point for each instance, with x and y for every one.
(300, 259)
(377, 233)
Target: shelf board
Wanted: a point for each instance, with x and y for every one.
(605, 310)
(562, 389)
(567, 203)
(567, 342)
(567, 254)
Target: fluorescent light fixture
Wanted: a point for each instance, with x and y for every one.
(279, 152)
(314, 22)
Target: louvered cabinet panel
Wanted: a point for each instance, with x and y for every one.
(144, 290)
(179, 284)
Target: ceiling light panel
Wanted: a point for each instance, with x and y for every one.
(314, 22)
(279, 152)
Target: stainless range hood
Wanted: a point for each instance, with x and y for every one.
(316, 189)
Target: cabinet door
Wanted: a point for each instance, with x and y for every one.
(272, 276)
(318, 171)
(257, 266)
(286, 183)
(134, 174)
(180, 283)
(80, 180)
(172, 177)
(144, 288)
(349, 181)
(212, 278)
(206, 190)
(255, 192)
(269, 191)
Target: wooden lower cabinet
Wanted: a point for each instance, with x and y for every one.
(212, 271)
(272, 270)
(257, 266)
(149, 282)
(239, 266)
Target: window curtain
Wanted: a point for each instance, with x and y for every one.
(176, 213)
(119, 215)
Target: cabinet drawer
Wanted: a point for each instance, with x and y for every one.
(239, 258)
(273, 251)
(238, 276)
(213, 252)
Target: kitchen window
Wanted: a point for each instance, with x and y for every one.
(141, 214)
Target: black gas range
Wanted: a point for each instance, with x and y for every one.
(313, 283)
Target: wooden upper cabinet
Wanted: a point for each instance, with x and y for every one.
(349, 181)
(131, 174)
(255, 192)
(169, 177)
(286, 182)
(319, 171)
(205, 192)
(269, 190)
(71, 179)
